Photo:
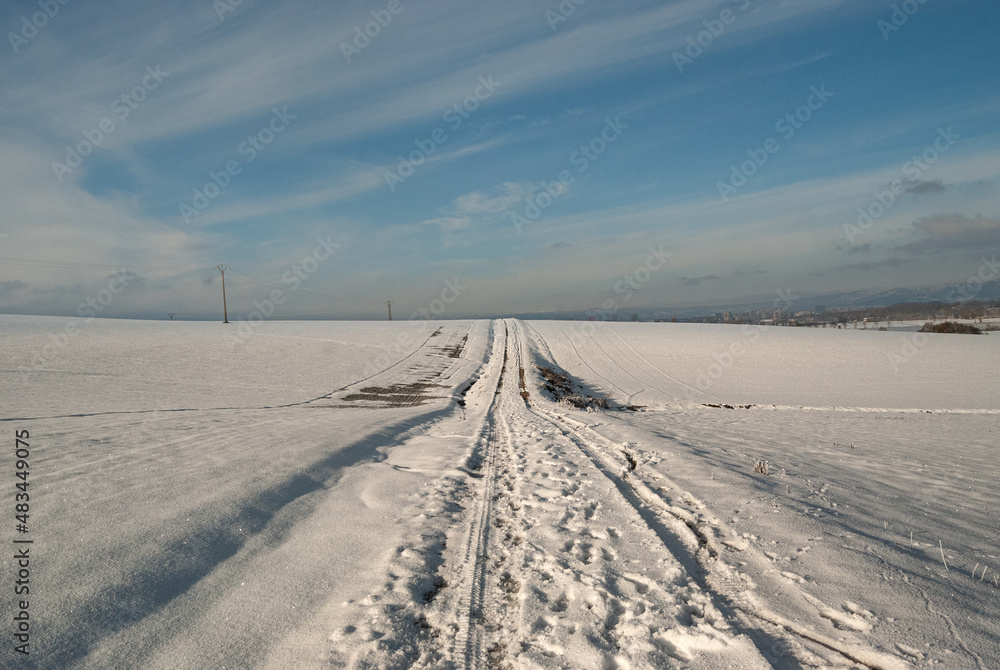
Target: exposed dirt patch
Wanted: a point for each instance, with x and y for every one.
(436, 586)
(455, 350)
(396, 395)
(562, 389)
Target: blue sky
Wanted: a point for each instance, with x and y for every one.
(653, 113)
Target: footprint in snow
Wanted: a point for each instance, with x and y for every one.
(641, 584)
(543, 623)
(561, 604)
(586, 553)
(847, 619)
(616, 611)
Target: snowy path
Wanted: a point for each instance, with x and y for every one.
(559, 554)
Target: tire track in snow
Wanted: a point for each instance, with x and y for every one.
(608, 568)
(702, 563)
(653, 367)
(615, 363)
(589, 366)
(468, 643)
(597, 578)
(427, 613)
(468, 639)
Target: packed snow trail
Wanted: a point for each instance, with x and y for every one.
(600, 587)
(560, 556)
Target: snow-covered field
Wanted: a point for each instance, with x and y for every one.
(390, 495)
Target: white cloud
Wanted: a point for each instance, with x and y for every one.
(450, 224)
(495, 200)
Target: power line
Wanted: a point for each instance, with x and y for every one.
(36, 262)
(291, 316)
(298, 290)
(41, 263)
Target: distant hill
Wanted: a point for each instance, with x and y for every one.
(942, 293)
(945, 293)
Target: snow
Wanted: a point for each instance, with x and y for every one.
(390, 495)
(914, 453)
(659, 364)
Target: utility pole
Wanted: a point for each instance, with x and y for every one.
(225, 313)
(388, 303)
(171, 315)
